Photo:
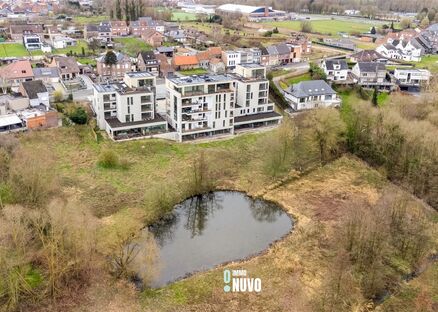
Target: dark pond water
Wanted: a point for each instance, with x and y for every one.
(208, 230)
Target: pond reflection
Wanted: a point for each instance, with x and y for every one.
(205, 231)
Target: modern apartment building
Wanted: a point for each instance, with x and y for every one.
(126, 110)
(201, 106)
(253, 108)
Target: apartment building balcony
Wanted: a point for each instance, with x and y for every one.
(189, 118)
(146, 108)
(109, 106)
(198, 93)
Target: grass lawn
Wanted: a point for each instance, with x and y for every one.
(429, 62)
(95, 19)
(16, 50)
(74, 49)
(132, 45)
(294, 80)
(87, 60)
(328, 27)
(195, 71)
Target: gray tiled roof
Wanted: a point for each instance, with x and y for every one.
(51, 72)
(371, 66)
(329, 64)
(311, 87)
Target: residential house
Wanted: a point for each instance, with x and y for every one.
(271, 56)
(311, 94)
(177, 35)
(184, 62)
(62, 42)
(284, 53)
(412, 77)
(119, 28)
(48, 75)
(428, 39)
(37, 93)
(252, 108)
(115, 71)
(401, 50)
(406, 34)
(231, 58)
(68, 67)
(335, 70)
(127, 109)
(201, 106)
(90, 31)
(368, 56)
(147, 62)
(166, 69)
(153, 37)
(203, 59)
(217, 66)
(372, 75)
(17, 31)
(100, 32)
(166, 51)
(152, 24)
(299, 39)
(136, 28)
(32, 41)
(14, 73)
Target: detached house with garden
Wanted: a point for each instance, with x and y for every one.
(311, 94)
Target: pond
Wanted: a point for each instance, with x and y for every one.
(212, 229)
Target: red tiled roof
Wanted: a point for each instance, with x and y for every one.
(18, 69)
(181, 60)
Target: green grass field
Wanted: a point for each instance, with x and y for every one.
(95, 19)
(74, 49)
(429, 62)
(195, 71)
(178, 15)
(328, 27)
(132, 46)
(297, 79)
(16, 50)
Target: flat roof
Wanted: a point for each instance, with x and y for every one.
(115, 123)
(200, 79)
(8, 120)
(141, 74)
(120, 87)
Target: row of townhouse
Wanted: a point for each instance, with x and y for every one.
(196, 106)
(403, 50)
(123, 28)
